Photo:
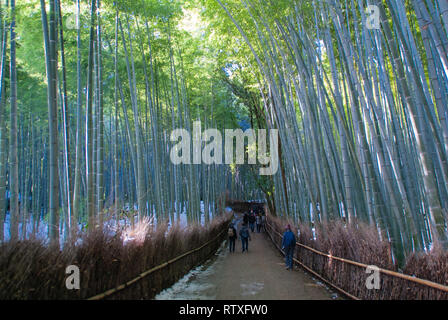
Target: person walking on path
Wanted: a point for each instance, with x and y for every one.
(288, 245)
(246, 218)
(263, 223)
(258, 221)
(232, 237)
(245, 237)
(252, 221)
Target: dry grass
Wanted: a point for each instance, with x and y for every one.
(432, 266)
(31, 270)
(361, 243)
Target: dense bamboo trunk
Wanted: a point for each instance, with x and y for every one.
(436, 214)
(79, 136)
(50, 44)
(100, 123)
(89, 124)
(369, 135)
(3, 131)
(66, 126)
(140, 177)
(13, 140)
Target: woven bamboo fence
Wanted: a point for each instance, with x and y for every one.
(349, 277)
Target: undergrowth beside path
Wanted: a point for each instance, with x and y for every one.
(361, 243)
(31, 270)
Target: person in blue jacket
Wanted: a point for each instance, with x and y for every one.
(288, 245)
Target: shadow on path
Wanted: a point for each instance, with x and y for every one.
(258, 274)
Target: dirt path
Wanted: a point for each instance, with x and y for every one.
(258, 274)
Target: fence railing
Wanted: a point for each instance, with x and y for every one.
(394, 293)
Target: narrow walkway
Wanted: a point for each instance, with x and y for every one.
(259, 274)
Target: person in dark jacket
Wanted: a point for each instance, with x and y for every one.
(288, 245)
(263, 223)
(258, 221)
(252, 220)
(246, 218)
(245, 237)
(232, 237)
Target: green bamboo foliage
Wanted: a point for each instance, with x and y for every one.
(116, 84)
(115, 147)
(67, 173)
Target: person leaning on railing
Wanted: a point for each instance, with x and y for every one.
(288, 245)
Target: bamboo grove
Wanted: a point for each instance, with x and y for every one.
(115, 82)
(357, 89)
(362, 111)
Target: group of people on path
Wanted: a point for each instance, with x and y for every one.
(249, 222)
(255, 219)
